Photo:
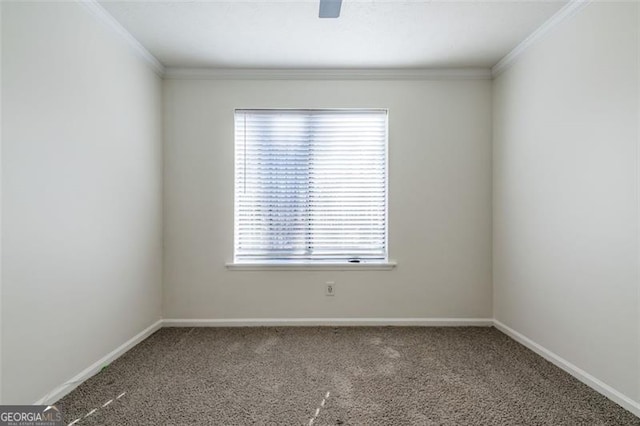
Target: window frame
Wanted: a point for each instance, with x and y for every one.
(309, 264)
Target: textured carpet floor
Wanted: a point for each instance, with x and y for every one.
(374, 376)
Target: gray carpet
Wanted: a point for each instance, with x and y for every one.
(373, 376)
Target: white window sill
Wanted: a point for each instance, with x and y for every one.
(343, 266)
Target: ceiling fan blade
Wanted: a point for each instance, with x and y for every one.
(330, 8)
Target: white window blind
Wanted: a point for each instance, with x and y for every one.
(310, 185)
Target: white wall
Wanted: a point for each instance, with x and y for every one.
(439, 203)
(81, 186)
(566, 194)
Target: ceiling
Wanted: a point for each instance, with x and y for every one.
(368, 34)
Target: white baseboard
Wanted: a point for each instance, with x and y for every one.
(308, 322)
(94, 368)
(586, 378)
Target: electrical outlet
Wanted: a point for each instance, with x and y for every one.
(330, 289)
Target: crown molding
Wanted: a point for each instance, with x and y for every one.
(105, 17)
(570, 9)
(179, 73)
(326, 74)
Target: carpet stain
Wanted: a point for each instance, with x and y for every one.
(356, 371)
(235, 347)
(343, 390)
(387, 369)
(419, 418)
(391, 353)
(266, 345)
(376, 341)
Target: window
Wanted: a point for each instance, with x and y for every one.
(310, 186)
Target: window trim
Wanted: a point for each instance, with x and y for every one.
(312, 266)
(381, 265)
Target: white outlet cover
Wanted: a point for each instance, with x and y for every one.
(330, 289)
